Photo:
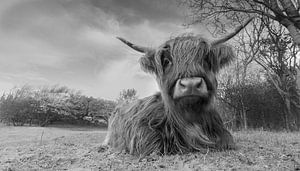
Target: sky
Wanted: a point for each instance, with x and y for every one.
(73, 43)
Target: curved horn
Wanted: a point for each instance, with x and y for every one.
(135, 47)
(236, 31)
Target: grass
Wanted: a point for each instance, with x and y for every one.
(78, 148)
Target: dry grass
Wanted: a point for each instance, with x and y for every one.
(73, 148)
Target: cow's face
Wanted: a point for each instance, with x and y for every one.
(185, 69)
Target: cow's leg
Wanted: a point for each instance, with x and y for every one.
(223, 137)
(225, 141)
(106, 140)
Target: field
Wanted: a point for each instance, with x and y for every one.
(78, 148)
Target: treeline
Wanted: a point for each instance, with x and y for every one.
(49, 104)
(256, 105)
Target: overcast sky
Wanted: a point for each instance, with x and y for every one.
(72, 42)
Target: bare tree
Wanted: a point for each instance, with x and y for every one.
(286, 12)
(278, 56)
(247, 45)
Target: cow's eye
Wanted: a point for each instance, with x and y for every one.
(166, 60)
(207, 63)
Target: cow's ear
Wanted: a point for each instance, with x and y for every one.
(148, 62)
(221, 55)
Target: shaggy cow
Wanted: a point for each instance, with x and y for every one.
(181, 118)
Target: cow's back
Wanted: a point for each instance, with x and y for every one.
(132, 126)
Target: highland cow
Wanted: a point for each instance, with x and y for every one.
(180, 118)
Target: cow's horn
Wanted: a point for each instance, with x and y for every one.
(236, 31)
(135, 47)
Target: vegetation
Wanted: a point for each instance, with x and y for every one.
(51, 104)
(127, 96)
(284, 12)
(47, 105)
(261, 102)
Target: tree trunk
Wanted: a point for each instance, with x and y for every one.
(46, 121)
(264, 125)
(244, 114)
(14, 123)
(288, 113)
(292, 30)
(286, 120)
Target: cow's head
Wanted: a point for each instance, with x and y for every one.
(185, 68)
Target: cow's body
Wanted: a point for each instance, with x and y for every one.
(140, 128)
(181, 118)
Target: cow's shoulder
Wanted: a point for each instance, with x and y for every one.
(145, 106)
(133, 127)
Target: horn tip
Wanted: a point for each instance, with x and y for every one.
(124, 40)
(120, 38)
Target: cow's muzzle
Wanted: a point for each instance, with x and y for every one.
(190, 87)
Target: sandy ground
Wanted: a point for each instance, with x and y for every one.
(79, 149)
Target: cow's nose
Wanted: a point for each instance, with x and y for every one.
(189, 84)
(194, 86)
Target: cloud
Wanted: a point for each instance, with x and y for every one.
(131, 12)
(23, 76)
(49, 38)
(72, 42)
(56, 23)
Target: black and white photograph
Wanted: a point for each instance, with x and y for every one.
(175, 85)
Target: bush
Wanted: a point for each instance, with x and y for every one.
(16, 106)
(263, 105)
(52, 104)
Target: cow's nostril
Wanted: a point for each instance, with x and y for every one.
(198, 83)
(181, 84)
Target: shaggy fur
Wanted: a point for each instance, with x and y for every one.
(165, 125)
